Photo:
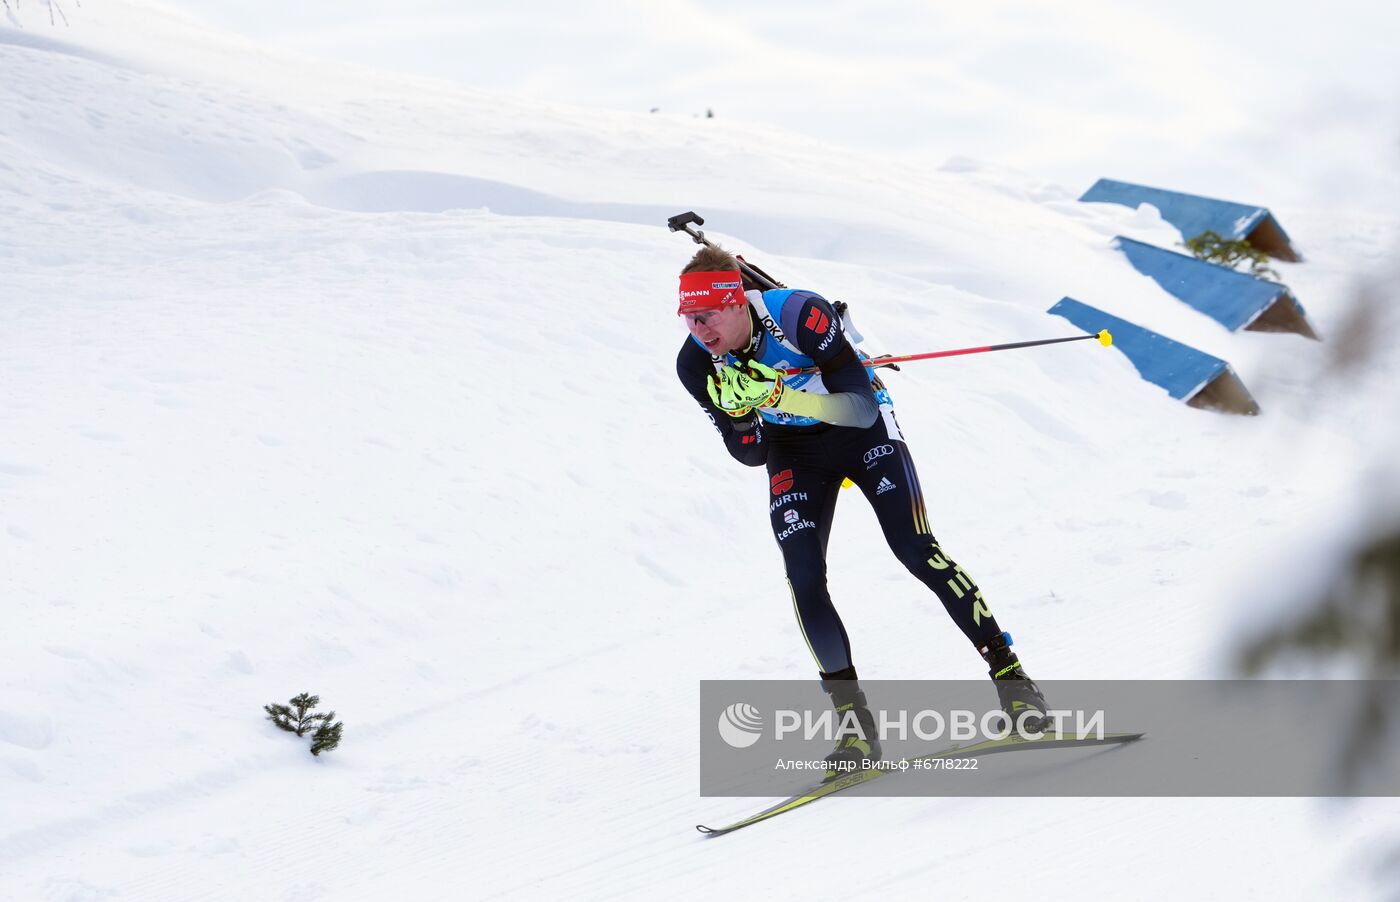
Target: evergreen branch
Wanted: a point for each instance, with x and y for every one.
(326, 738)
(295, 718)
(281, 716)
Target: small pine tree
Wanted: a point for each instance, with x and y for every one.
(327, 735)
(1213, 248)
(296, 719)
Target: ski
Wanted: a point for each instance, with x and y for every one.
(819, 791)
(989, 747)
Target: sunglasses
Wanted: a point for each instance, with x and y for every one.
(703, 319)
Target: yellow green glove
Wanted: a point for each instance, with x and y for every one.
(736, 391)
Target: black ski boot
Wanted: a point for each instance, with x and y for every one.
(1016, 691)
(851, 750)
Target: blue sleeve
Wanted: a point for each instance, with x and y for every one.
(819, 335)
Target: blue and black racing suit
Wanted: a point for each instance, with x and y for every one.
(855, 437)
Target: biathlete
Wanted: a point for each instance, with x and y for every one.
(811, 431)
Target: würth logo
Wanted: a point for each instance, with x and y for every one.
(817, 321)
(781, 482)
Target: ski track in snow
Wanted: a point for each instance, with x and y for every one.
(365, 387)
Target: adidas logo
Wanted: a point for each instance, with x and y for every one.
(884, 486)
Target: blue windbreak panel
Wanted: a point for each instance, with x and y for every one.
(1180, 369)
(1231, 298)
(1191, 214)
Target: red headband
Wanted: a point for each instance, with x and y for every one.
(710, 291)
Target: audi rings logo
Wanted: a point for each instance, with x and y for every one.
(878, 452)
(740, 725)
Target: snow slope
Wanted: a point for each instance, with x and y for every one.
(1307, 94)
(324, 379)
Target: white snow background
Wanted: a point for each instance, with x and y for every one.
(316, 377)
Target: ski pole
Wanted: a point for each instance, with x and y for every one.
(1103, 336)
